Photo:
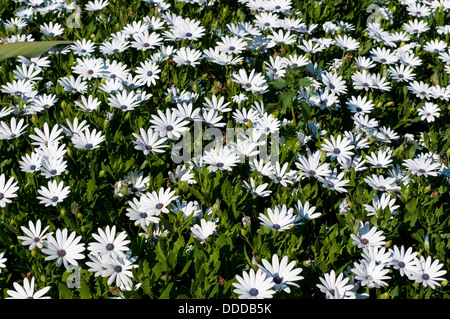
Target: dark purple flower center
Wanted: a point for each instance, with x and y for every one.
(110, 247)
(61, 253)
(277, 280)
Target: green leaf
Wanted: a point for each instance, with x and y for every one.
(285, 99)
(304, 82)
(85, 292)
(279, 84)
(28, 49)
(166, 292)
(64, 291)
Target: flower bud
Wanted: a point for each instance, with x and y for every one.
(385, 296)
(246, 221)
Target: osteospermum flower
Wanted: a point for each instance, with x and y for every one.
(2, 261)
(66, 249)
(332, 285)
(87, 140)
(220, 158)
(422, 166)
(27, 291)
(306, 211)
(149, 142)
(158, 202)
(429, 112)
(254, 285)
(282, 273)
(14, 130)
(34, 235)
(337, 148)
(204, 230)
(405, 262)
(279, 219)
(108, 243)
(428, 272)
(367, 236)
(118, 270)
(370, 274)
(7, 190)
(169, 124)
(253, 82)
(53, 194)
(187, 56)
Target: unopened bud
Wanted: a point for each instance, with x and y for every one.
(385, 296)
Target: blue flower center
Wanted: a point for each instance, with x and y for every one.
(89, 146)
(54, 199)
(253, 292)
(110, 247)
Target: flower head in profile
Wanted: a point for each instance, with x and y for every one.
(254, 285)
(27, 291)
(331, 286)
(8, 190)
(220, 158)
(279, 219)
(88, 140)
(204, 230)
